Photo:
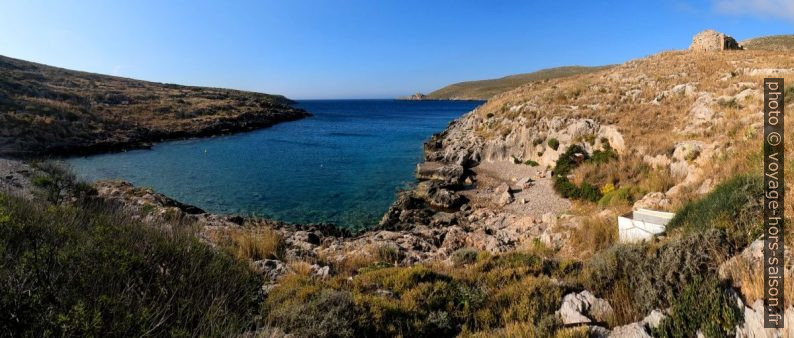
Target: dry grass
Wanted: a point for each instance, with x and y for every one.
(594, 234)
(257, 244)
(749, 280)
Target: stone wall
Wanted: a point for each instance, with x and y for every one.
(710, 40)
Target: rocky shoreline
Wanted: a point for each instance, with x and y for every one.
(143, 138)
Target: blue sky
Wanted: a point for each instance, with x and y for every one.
(361, 49)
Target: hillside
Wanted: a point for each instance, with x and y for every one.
(485, 89)
(774, 42)
(511, 230)
(46, 110)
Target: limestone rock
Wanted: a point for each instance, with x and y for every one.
(450, 173)
(583, 307)
(272, 269)
(687, 150)
(679, 169)
(503, 195)
(438, 196)
(633, 330)
(654, 201)
(711, 40)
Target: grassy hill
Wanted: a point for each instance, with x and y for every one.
(773, 42)
(485, 89)
(47, 110)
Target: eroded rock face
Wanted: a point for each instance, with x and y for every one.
(711, 40)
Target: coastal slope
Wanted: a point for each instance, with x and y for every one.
(485, 89)
(774, 43)
(47, 110)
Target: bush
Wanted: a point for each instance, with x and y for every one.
(623, 195)
(566, 163)
(651, 278)
(88, 270)
(306, 308)
(735, 206)
(589, 193)
(531, 163)
(705, 305)
(464, 256)
(604, 156)
(57, 182)
(554, 143)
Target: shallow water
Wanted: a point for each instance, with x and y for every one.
(341, 166)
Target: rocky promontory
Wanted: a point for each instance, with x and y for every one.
(46, 110)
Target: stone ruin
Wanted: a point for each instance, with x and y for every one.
(711, 40)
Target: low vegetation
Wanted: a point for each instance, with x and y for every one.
(572, 158)
(89, 270)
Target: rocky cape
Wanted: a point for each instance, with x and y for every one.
(46, 110)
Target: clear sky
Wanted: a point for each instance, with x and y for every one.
(361, 49)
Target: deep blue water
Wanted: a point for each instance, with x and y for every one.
(343, 165)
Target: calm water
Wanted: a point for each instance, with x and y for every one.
(342, 166)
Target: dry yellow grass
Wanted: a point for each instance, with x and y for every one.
(594, 234)
(256, 244)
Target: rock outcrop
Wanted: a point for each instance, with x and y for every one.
(711, 40)
(584, 308)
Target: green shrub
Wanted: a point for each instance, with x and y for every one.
(603, 156)
(307, 309)
(655, 277)
(531, 163)
(589, 193)
(87, 270)
(705, 305)
(735, 206)
(57, 181)
(566, 163)
(464, 256)
(615, 197)
(554, 143)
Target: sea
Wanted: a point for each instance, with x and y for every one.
(344, 165)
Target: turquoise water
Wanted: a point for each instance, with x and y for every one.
(342, 166)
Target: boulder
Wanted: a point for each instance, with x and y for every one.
(687, 89)
(582, 127)
(502, 195)
(582, 308)
(450, 173)
(438, 196)
(614, 137)
(633, 330)
(524, 183)
(687, 150)
(653, 201)
(679, 169)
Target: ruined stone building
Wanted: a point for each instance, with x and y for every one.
(711, 40)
